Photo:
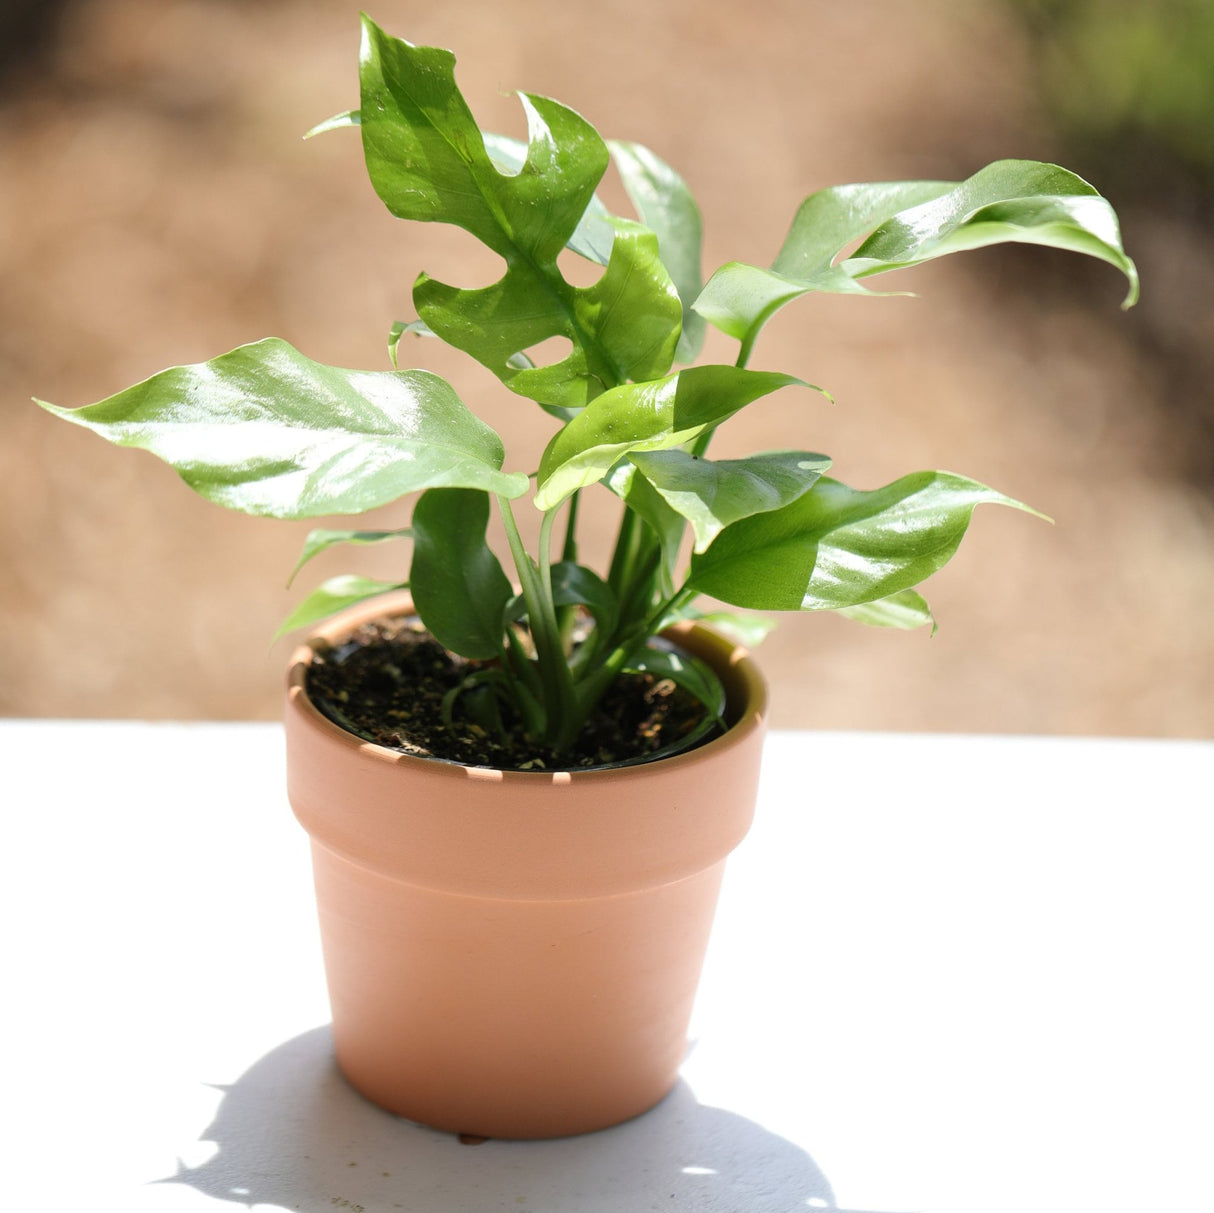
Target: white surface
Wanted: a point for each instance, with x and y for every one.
(956, 975)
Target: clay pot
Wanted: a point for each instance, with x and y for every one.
(515, 954)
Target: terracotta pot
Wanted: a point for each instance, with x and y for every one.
(515, 954)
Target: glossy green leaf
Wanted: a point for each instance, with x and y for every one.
(321, 540)
(651, 416)
(903, 223)
(907, 609)
(593, 236)
(712, 495)
(633, 311)
(665, 205)
(1022, 201)
(458, 586)
(332, 596)
(265, 430)
(830, 220)
(840, 547)
(739, 299)
(428, 161)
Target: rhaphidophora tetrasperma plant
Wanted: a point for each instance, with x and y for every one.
(266, 430)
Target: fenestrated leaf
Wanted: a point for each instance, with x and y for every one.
(265, 430)
(651, 416)
(321, 540)
(1023, 201)
(458, 586)
(593, 235)
(665, 205)
(840, 547)
(633, 311)
(907, 609)
(332, 596)
(713, 494)
(428, 161)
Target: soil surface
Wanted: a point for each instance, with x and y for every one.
(389, 682)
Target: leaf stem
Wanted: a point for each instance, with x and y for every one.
(562, 717)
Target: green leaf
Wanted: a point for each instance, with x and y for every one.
(651, 416)
(593, 235)
(739, 299)
(428, 161)
(320, 540)
(839, 547)
(746, 630)
(337, 122)
(633, 312)
(907, 222)
(1022, 201)
(665, 205)
(664, 660)
(459, 588)
(907, 609)
(332, 596)
(712, 495)
(575, 585)
(419, 328)
(265, 430)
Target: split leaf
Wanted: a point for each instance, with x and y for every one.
(428, 161)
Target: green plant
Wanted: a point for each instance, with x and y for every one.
(266, 430)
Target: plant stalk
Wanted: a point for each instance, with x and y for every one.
(563, 719)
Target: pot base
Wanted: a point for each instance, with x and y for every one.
(509, 1018)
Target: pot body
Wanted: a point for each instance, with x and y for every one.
(515, 954)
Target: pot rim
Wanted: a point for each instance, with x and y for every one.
(745, 702)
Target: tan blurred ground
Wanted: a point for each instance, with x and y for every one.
(157, 206)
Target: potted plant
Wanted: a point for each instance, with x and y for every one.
(522, 776)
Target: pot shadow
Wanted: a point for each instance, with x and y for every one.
(291, 1133)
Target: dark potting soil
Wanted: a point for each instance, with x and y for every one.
(387, 682)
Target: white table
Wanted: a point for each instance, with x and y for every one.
(953, 974)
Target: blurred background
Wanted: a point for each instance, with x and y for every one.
(157, 207)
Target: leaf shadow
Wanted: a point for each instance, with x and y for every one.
(291, 1133)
